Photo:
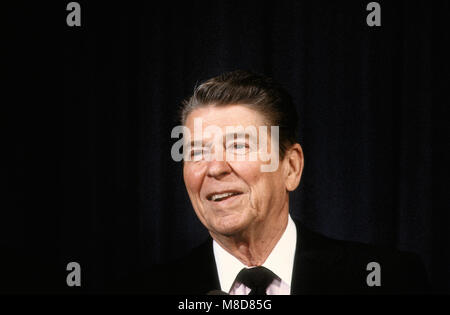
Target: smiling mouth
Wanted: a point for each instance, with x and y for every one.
(216, 197)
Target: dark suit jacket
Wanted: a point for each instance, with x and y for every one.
(321, 266)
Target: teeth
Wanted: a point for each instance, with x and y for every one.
(220, 196)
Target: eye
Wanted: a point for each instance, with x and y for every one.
(238, 147)
(196, 153)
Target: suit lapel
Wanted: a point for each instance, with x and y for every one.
(315, 264)
(203, 269)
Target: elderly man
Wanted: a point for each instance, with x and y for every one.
(255, 245)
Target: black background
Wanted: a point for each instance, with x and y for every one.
(88, 112)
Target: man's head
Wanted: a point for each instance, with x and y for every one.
(251, 90)
(233, 197)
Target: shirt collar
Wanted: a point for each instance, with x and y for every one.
(280, 260)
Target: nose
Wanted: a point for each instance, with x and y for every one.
(218, 169)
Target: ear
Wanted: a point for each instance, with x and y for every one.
(294, 166)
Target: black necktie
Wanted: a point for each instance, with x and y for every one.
(257, 279)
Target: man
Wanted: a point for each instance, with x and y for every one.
(255, 245)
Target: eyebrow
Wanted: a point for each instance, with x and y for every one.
(239, 135)
(236, 134)
(198, 143)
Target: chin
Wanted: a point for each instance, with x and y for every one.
(229, 225)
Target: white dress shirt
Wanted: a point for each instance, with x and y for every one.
(280, 262)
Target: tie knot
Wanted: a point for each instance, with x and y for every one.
(257, 279)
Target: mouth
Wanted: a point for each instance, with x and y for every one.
(221, 196)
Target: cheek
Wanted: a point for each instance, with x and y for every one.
(263, 185)
(193, 178)
(250, 173)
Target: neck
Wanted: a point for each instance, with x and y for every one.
(253, 246)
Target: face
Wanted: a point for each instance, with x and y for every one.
(233, 196)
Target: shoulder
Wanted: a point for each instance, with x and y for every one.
(194, 273)
(353, 262)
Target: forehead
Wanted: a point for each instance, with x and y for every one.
(229, 115)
